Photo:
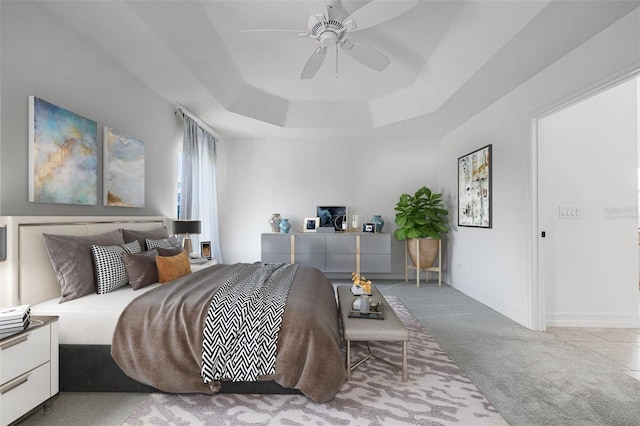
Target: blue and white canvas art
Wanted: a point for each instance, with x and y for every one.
(63, 155)
(123, 169)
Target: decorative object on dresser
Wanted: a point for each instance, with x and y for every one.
(378, 222)
(205, 249)
(66, 142)
(285, 226)
(332, 217)
(474, 188)
(421, 216)
(369, 228)
(274, 222)
(310, 224)
(186, 227)
(29, 369)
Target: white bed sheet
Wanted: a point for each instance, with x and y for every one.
(89, 320)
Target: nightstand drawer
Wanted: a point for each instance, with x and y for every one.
(24, 352)
(23, 393)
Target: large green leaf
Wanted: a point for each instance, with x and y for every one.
(420, 215)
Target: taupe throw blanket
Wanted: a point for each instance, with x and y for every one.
(158, 339)
(243, 321)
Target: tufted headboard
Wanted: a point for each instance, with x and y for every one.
(26, 277)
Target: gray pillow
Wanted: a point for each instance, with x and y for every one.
(169, 251)
(141, 268)
(72, 261)
(130, 235)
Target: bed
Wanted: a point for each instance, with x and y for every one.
(88, 325)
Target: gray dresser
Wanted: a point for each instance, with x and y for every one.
(359, 253)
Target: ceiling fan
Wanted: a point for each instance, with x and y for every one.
(330, 31)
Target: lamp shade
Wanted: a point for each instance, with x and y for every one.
(186, 227)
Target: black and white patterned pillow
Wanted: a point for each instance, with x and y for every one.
(110, 271)
(162, 243)
(132, 247)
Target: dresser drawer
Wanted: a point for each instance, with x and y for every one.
(23, 353)
(23, 393)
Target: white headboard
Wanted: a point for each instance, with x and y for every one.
(26, 277)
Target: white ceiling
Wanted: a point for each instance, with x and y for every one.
(449, 60)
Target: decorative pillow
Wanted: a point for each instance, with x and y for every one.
(162, 243)
(71, 260)
(172, 267)
(141, 268)
(110, 270)
(132, 247)
(154, 234)
(169, 251)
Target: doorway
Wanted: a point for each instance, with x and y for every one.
(587, 189)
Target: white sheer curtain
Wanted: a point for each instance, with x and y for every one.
(198, 199)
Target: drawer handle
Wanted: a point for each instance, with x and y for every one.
(14, 342)
(14, 384)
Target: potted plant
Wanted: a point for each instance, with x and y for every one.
(421, 217)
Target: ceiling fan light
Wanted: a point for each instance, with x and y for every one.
(328, 39)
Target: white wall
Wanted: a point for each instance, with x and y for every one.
(40, 57)
(494, 265)
(588, 165)
(259, 177)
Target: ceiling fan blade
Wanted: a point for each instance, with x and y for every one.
(318, 7)
(365, 54)
(376, 12)
(313, 63)
(275, 30)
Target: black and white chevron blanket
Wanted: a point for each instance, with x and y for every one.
(243, 321)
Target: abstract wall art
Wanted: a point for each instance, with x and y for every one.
(123, 169)
(63, 155)
(474, 188)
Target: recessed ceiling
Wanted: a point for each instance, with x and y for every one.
(449, 59)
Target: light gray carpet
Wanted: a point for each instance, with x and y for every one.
(532, 378)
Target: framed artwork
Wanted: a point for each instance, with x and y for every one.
(368, 228)
(474, 188)
(63, 155)
(332, 216)
(123, 169)
(311, 224)
(205, 249)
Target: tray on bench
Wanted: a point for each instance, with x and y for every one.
(379, 314)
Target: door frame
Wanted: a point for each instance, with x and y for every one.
(536, 296)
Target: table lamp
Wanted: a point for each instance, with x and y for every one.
(186, 228)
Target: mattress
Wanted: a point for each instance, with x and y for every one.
(89, 320)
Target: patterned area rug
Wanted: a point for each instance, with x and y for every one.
(437, 393)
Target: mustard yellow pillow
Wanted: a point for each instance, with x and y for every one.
(172, 267)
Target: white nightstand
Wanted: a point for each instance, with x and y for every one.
(28, 369)
(199, 266)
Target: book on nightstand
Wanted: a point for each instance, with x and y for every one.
(14, 319)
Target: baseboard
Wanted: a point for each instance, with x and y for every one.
(591, 319)
(516, 315)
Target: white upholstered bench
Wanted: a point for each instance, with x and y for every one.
(371, 330)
